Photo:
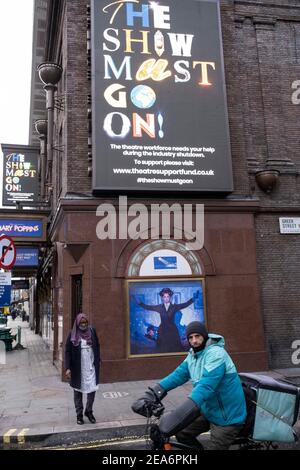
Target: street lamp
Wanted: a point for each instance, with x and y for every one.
(50, 74)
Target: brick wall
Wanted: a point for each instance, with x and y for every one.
(77, 89)
(261, 41)
(278, 267)
(262, 53)
(261, 62)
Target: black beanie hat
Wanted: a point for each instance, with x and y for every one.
(196, 327)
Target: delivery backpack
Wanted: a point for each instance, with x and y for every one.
(272, 408)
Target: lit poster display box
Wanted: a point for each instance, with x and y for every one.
(159, 110)
(20, 174)
(27, 256)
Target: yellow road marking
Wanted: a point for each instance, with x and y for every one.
(97, 444)
(102, 443)
(6, 436)
(21, 436)
(93, 444)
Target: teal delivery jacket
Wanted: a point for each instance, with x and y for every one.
(217, 388)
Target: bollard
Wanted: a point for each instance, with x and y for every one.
(19, 334)
(2, 352)
(19, 345)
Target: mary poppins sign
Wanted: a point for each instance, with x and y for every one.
(159, 107)
(20, 174)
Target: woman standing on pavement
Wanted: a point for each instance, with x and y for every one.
(82, 362)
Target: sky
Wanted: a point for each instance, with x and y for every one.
(16, 22)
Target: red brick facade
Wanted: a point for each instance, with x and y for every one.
(253, 295)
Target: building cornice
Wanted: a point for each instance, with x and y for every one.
(68, 206)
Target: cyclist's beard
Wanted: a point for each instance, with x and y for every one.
(198, 348)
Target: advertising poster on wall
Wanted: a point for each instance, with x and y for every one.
(159, 311)
(158, 94)
(27, 256)
(20, 174)
(5, 289)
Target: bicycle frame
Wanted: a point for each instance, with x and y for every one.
(160, 442)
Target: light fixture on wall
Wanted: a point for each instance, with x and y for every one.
(41, 127)
(267, 179)
(50, 73)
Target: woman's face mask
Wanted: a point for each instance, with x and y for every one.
(83, 327)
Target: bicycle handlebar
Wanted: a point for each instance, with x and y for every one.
(157, 409)
(148, 408)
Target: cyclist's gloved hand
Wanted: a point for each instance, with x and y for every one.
(144, 405)
(179, 418)
(158, 392)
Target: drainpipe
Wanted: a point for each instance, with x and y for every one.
(41, 128)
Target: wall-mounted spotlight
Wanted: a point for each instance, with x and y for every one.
(267, 179)
(41, 127)
(50, 73)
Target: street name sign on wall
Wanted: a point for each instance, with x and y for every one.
(159, 112)
(289, 224)
(20, 174)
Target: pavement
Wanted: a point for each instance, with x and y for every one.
(37, 407)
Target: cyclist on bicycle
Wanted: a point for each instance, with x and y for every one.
(217, 401)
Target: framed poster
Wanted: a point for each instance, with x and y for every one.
(158, 312)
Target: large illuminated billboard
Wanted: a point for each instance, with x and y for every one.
(158, 91)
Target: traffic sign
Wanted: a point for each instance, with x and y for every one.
(8, 252)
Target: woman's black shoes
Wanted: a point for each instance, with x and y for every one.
(90, 416)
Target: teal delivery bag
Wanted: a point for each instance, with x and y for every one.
(274, 407)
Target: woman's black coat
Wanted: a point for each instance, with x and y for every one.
(73, 359)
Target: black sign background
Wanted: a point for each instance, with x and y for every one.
(20, 174)
(194, 116)
(20, 284)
